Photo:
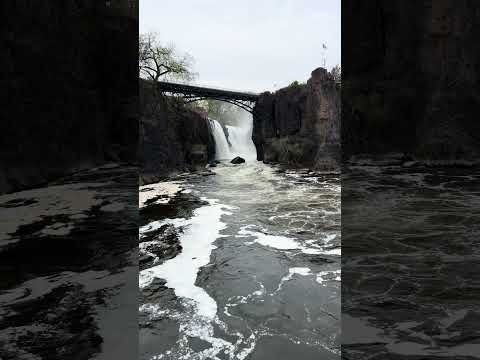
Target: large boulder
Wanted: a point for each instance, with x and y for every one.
(237, 160)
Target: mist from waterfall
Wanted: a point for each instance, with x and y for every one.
(234, 139)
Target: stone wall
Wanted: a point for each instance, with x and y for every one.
(300, 125)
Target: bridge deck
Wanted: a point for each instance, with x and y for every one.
(206, 92)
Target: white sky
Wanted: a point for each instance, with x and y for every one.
(254, 45)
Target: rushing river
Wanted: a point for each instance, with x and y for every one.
(259, 272)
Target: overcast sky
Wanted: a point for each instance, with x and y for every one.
(252, 45)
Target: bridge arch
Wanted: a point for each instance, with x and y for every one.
(245, 105)
(192, 93)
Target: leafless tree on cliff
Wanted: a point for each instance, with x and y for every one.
(162, 62)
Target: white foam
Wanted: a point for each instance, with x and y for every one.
(197, 244)
(277, 242)
(303, 271)
(286, 243)
(166, 189)
(337, 251)
(180, 273)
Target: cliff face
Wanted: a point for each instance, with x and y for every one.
(411, 82)
(69, 84)
(172, 138)
(300, 125)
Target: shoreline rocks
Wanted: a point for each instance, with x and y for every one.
(159, 202)
(158, 245)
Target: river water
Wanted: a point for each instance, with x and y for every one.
(258, 276)
(411, 284)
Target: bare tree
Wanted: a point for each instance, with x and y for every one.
(157, 61)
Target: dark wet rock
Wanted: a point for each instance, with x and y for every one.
(144, 260)
(163, 244)
(152, 326)
(181, 206)
(173, 138)
(212, 164)
(62, 327)
(237, 160)
(198, 344)
(155, 199)
(166, 232)
(300, 125)
(156, 291)
(32, 230)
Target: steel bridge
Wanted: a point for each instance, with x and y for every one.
(191, 93)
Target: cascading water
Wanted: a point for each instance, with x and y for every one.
(222, 148)
(239, 141)
(240, 138)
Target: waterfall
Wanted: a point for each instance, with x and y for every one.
(239, 141)
(240, 138)
(222, 149)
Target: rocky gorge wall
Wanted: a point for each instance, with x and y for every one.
(173, 138)
(411, 82)
(69, 84)
(300, 125)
